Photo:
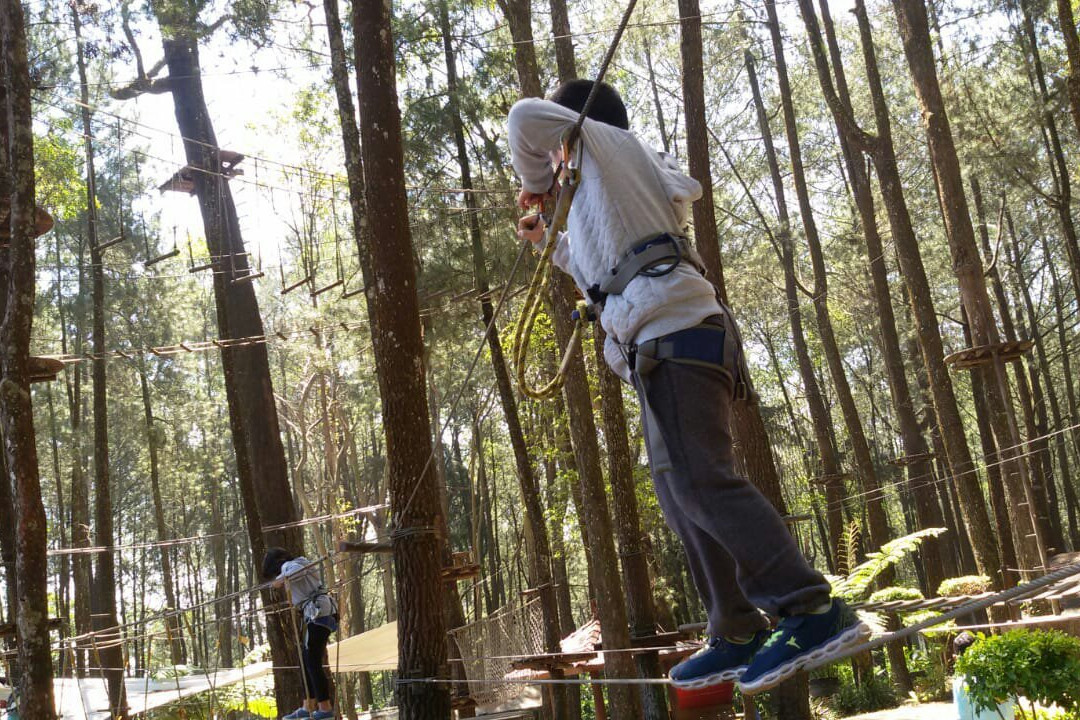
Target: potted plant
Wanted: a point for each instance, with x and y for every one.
(1041, 667)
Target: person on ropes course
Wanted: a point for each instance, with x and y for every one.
(670, 336)
(300, 578)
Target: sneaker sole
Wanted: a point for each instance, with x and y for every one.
(821, 655)
(729, 675)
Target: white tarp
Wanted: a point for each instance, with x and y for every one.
(87, 699)
(367, 652)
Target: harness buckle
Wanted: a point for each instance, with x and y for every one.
(584, 311)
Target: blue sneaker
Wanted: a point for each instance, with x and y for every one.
(322, 715)
(300, 713)
(800, 641)
(718, 662)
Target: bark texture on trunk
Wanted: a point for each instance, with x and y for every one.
(595, 516)
(915, 448)
(864, 462)
(107, 653)
(17, 280)
(538, 546)
(398, 349)
(820, 418)
(946, 408)
(967, 265)
(172, 622)
(1067, 24)
(751, 437)
(253, 419)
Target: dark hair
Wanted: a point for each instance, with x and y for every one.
(607, 106)
(962, 642)
(274, 558)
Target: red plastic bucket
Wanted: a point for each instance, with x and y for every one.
(705, 697)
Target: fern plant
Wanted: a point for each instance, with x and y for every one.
(856, 585)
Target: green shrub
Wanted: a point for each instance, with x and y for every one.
(875, 693)
(964, 585)
(892, 594)
(1042, 666)
(928, 674)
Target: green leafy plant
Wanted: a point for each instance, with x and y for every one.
(928, 673)
(1042, 666)
(875, 693)
(894, 593)
(857, 583)
(964, 585)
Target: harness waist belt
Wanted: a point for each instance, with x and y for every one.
(715, 344)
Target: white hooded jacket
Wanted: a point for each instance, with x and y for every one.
(628, 193)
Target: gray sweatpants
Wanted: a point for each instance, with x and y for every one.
(741, 555)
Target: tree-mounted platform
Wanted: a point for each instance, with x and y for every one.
(1008, 351)
(8, 629)
(461, 567)
(830, 479)
(905, 460)
(43, 221)
(44, 369)
(183, 180)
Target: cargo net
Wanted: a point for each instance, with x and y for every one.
(489, 646)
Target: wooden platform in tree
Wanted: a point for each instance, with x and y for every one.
(984, 354)
(44, 369)
(548, 662)
(461, 567)
(43, 221)
(905, 460)
(183, 180)
(827, 479)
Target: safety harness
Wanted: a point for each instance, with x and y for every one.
(699, 345)
(654, 257)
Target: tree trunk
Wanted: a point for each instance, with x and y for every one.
(1044, 365)
(864, 462)
(17, 278)
(640, 609)
(914, 31)
(538, 546)
(518, 15)
(394, 312)
(949, 420)
(80, 494)
(1035, 452)
(172, 624)
(599, 543)
(1059, 168)
(564, 42)
(350, 136)
(108, 651)
(697, 139)
(253, 418)
(557, 508)
(820, 420)
(64, 571)
(918, 465)
(1067, 24)
(751, 437)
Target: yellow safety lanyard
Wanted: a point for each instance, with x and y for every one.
(570, 177)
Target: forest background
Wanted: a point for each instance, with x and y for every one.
(142, 458)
